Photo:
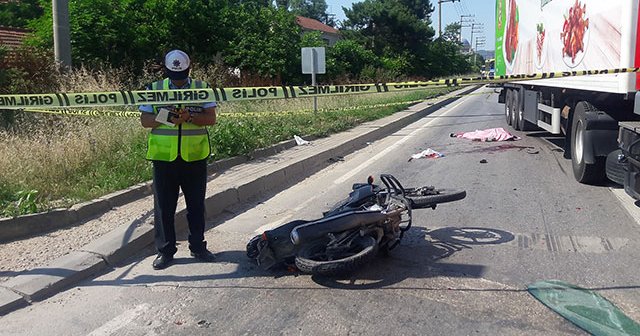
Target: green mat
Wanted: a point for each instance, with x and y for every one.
(584, 308)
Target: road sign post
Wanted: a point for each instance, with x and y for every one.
(313, 62)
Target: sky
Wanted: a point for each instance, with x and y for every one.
(483, 11)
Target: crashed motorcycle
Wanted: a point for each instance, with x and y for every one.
(370, 220)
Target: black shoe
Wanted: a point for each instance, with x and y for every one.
(204, 255)
(162, 261)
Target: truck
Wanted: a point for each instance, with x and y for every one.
(597, 115)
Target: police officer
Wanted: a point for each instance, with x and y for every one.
(178, 146)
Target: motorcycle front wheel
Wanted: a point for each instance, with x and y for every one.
(313, 257)
(427, 197)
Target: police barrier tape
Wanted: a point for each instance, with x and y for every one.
(199, 96)
(189, 96)
(135, 114)
(87, 113)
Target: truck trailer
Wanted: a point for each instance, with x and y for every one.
(598, 115)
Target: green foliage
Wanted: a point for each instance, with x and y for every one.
(451, 32)
(251, 35)
(314, 9)
(21, 203)
(312, 39)
(29, 70)
(27, 201)
(133, 31)
(346, 60)
(17, 13)
(392, 28)
(388, 38)
(446, 59)
(266, 43)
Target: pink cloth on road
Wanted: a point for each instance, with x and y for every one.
(492, 134)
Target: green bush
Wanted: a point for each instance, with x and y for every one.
(347, 59)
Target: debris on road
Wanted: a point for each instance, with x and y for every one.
(427, 153)
(483, 161)
(491, 134)
(300, 141)
(532, 150)
(584, 308)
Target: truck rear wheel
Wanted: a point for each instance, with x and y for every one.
(515, 108)
(507, 106)
(584, 172)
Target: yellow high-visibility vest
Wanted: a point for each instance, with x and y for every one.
(188, 140)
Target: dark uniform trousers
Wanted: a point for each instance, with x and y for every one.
(168, 178)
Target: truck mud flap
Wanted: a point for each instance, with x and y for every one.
(600, 135)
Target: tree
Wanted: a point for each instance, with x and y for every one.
(266, 43)
(314, 9)
(391, 28)
(128, 32)
(18, 13)
(347, 58)
(452, 32)
(446, 59)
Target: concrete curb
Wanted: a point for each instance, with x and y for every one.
(128, 239)
(33, 224)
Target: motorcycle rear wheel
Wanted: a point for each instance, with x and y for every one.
(312, 257)
(433, 196)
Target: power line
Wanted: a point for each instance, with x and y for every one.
(440, 2)
(464, 5)
(456, 8)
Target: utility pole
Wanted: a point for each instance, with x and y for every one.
(463, 24)
(480, 27)
(61, 34)
(440, 2)
(479, 42)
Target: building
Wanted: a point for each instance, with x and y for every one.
(329, 34)
(11, 38)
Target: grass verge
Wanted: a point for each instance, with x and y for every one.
(58, 161)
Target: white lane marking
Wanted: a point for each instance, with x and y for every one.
(120, 321)
(628, 203)
(384, 152)
(285, 217)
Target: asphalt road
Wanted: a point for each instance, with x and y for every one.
(461, 270)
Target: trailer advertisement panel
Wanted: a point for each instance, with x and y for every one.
(535, 36)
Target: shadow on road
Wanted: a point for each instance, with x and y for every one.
(421, 255)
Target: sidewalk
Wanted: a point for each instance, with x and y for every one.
(133, 222)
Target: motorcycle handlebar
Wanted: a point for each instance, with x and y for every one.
(393, 185)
